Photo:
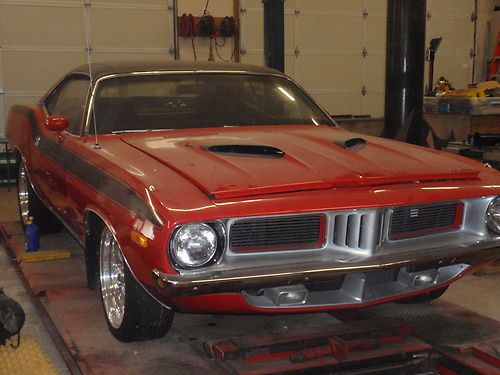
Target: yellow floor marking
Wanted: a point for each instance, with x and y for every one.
(43, 255)
(28, 359)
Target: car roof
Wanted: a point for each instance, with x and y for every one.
(123, 67)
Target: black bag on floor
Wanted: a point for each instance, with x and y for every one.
(11, 318)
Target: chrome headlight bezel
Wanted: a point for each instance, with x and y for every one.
(213, 256)
(493, 211)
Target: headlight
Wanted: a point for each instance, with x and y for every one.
(194, 245)
(493, 216)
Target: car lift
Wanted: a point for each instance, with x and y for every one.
(374, 346)
(433, 338)
(370, 346)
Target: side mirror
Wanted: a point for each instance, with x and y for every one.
(56, 123)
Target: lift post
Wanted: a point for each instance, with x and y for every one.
(404, 85)
(274, 34)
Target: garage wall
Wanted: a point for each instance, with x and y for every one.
(41, 40)
(336, 48)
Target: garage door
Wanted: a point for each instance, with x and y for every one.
(336, 48)
(41, 40)
(453, 21)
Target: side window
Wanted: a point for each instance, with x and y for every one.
(69, 100)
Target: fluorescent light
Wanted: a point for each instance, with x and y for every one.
(286, 93)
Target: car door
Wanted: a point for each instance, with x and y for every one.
(54, 155)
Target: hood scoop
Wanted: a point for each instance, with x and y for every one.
(353, 144)
(259, 151)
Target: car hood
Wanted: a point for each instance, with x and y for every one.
(241, 162)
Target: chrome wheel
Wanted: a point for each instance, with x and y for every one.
(23, 193)
(112, 277)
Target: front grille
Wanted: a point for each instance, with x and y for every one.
(419, 220)
(358, 230)
(381, 276)
(279, 233)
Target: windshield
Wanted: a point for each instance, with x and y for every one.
(183, 101)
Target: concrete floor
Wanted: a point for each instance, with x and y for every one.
(8, 204)
(14, 287)
(477, 293)
(10, 280)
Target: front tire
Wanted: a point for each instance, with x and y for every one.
(131, 313)
(31, 206)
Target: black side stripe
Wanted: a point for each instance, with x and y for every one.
(93, 176)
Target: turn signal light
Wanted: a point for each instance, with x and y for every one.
(139, 239)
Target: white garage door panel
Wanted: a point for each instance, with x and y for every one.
(289, 32)
(456, 69)
(329, 38)
(290, 64)
(254, 36)
(160, 4)
(255, 59)
(326, 32)
(29, 26)
(117, 56)
(373, 104)
(376, 6)
(252, 42)
(374, 63)
(9, 101)
(376, 34)
(452, 21)
(329, 72)
(36, 71)
(374, 72)
(457, 34)
(339, 104)
(336, 6)
(444, 7)
(126, 28)
(196, 7)
(255, 4)
(43, 39)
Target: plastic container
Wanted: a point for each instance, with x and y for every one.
(32, 242)
(462, 105)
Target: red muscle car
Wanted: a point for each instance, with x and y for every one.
(224, 188)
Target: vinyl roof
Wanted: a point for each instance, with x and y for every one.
(122, 67)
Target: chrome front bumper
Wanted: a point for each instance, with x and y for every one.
(241, 280)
